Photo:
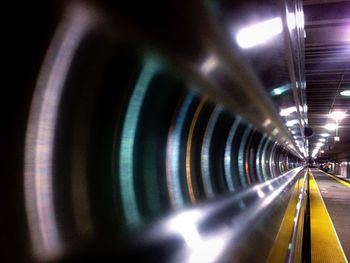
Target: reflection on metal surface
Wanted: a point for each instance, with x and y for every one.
(291, 123)
(228, 155)
(280, 90)
(40, 139)
(288, 111)
(186, 225)
(205, 153)
(331, 126)
(266, 123)
(190, 173)
(208, 251)
(244, 177)
(126, 166)
(259, 33)
(260, 158)
(189, 177)
(295, 20)
(296, 240)
(209, 64)
(265, 160)
(174, 153)
(272, 161)
(241, 211)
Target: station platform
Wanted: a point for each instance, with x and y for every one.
(329, 217)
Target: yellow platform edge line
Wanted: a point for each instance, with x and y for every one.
(316, 197)
(336, 178)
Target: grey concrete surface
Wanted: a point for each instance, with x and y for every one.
(337, 199)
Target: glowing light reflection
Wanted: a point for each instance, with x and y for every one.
(174, 152)
(126, 159)
(227, 160)
(331, 126)
(261, 193)
(345, 93)
(280, 90)
(39, 153)
(186, 225)
(291, 123)
(288, 111)
(209, 64)
(259, 33)
(207, 251)
(337, 115)
(188, 149)
(205, 152)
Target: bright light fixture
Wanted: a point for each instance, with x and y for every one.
(331, 126)
(314, 152)
(259, 33)
(280, 90)
(345, 92)
(325, 134)
(288, 111)
(322, 139)
(337, 138)
(291, 123)
(337, 115)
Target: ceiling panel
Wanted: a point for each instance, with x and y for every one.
(327, 69)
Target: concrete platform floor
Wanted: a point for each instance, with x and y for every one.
(337, 199)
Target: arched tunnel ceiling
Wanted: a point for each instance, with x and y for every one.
(327, 68)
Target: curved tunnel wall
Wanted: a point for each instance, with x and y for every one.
(119, 137)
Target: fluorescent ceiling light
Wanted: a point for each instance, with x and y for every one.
(319, 144)
(325, 134)
(259, 33)
(331, 126)
(345, 92)
(288, 111)
(337, 115)
(322, 139)
(314, 152)
(291, 122)
(280, 90)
